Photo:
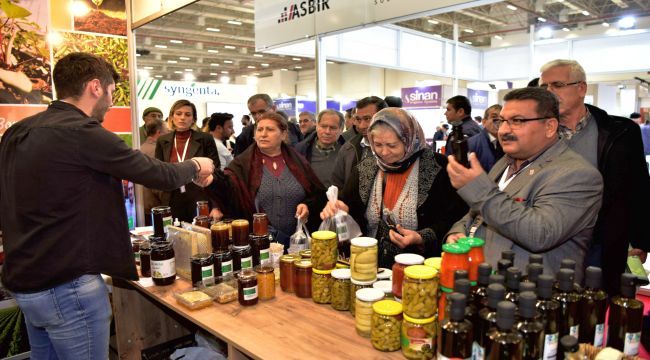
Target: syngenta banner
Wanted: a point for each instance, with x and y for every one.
(150, 88)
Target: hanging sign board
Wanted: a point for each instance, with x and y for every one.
(422, 97)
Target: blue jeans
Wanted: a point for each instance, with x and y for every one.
(70, 321)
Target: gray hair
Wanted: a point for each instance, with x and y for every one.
(576, 72)
(332, 112)
(265, 97)
(309, 114)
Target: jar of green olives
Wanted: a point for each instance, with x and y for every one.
(321, 286)
(386, 325)
(341, 289)
(418, 338)
(324, 250)
(419, 291)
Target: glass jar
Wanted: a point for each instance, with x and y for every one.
(287, 271)
(163, 263)
(265, 282)
(161, 217)
(223, 263)
(456, 257)
(239, 232)
(341, 289)
(135, 246)
(384, 274)
(418, 338)
(260, 247)
(386, 286)
(202, 269)
(247, 288)
(228, 223)
(363, 258)
(386, 325)
(220, 237)
(145, 259)
(420, 291)
(324, 250)
(434, 262)
(305, 254)
(202, 208)
(302, 278)
(260, 224)
(401, 262)
(242, 258)
(365, 298)
(475, 256)
(321, 286)
(354, 287)
(203, 221)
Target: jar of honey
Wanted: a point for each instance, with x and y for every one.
(135, 246)
(220, 236)
(202, 208)
(302, 278)
(240, 232)
(145, 259)
(260, 247)
(163, 263)
(260, 224)
(287, 272)
(203, 221)
(242, 258)
(475, 256)
(202, 269)
(401, 262)
(223, 263)
(456, 257)
(247, 288)
(161, 217)
(305, 254)
(265, 282)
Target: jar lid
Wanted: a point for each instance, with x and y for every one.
(472, 242)
(247, 275)
(434, 262)
(364, 242)
(445, 289)
(322, 272)
(456, 248)
(369, 294)
(323, 235)
(260, 269)
(289, 258)
(241, 249)
(223, 254)
(384, 274)
(240, 222)
(419, 321)
(362, 283)
(160, 209)
(202, 256)
(305, 253)
(409, 259)
(156, 239)
(219, 226)
(303, 264)
(161, 245)
(420, 272)
(342, 274)
(387, 307)
(384, 285)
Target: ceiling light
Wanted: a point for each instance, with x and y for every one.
(258, 55)
(234, 22)
(251, 80)
(545, 33)
(585, 12)
(498, 37)
(511, 7)
(227, 61)
(224, 72)
(214, 74)
(161, 46)
(251, 67)
(626, 22)
(541, 19)
(468, 42)
(158, 76)
(230, 47)
(469, 31)
(189, 77)
(189, 70)
(437, 35)
(176, 41)
(434, 22)
(212, 51)
(143, 73)
(178, 72)
(225, 79)
(296, 59)
(184, 58)
(255, 74)
(298, 67)
(283, 69)
(137, 54)
(148, 67)
(331, 62)
(214, 64)
(265, 65)
(605, 24)
(172, 61)
(212, 29)
(566, 29)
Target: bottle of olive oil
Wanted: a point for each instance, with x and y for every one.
(456, 333)
(533, 271)
(502, 266)
(503, 341)
(530, 326)
(527, 286)
(513, 277)
(625, 318)
(535, 259)
(569, 302)
(480, 292)
(464, 286)
(593, 308)
(487, 319)
(549, 310)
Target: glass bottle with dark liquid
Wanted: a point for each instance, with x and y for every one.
(549, 311)
(480, 293)
(497, 279)
(503, 341)
(502, 266)
(625, 318)
(527, 286)
(530, 326)
(533, 271)
(513, 277)
(535, 259)
(463, 286)
(459, 145)
(593, 308)
(569, 301)
(569, 264)
(145, 259)
(487, 319)
(456, 333)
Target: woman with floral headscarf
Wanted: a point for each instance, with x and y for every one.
(406, 184)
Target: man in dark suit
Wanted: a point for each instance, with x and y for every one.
(486, 144)
(458, 113)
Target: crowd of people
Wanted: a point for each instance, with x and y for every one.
(547, 174)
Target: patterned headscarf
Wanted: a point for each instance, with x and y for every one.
(408, 130)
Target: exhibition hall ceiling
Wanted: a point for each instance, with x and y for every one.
(211, 39)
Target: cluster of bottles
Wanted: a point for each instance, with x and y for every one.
(510, 316)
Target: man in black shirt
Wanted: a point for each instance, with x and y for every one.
(62, 210)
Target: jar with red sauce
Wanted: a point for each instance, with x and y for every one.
(456, 257)
(401, 262)
(476, 256)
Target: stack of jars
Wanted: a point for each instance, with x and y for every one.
(203, 218)
(419, 300)
(401, 262)
(475, 256)
(221, 240)
(324, 253)
(455, 257)
(260, 241)
(363, 272)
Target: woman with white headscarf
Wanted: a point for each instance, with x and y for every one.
(405, 180)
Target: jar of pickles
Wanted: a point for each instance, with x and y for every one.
(302, 278)
(475, 256)
(321, 286)
(341, 289)
(386, 325)
(356, 285)
(363, 258)
(324, 250)
(365, 299)
(456, 257)
(418, 338)
(287, 271)
(401, 262)
(265, 282)
(386, 286)
(419, 291)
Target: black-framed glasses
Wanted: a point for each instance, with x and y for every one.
(558, 84)
(517, 122)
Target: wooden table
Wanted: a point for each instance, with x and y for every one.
(286, 327)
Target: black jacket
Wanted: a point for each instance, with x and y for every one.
(305, 147)
(626, 194)
(61, 202)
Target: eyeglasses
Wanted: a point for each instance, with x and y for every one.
(517, 123)
(558, 84)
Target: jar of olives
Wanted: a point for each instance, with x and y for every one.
(321, 286)
(341, 289)
(365, 299)
(419, 291)
(354, 287)
(324, 250)
(418, 338)
(363, 258)
(386, 325)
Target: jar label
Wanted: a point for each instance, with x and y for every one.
(599, 335)
(161, 269)
(550, 346)
(417, 343)
(341, 228)
(247, 263)
(137, 256)
(574, 330)
(478, 352)
(226, 268)
(250, 293)
(166, 221)
(265, 255)
(442, 357)
(207, 274)
(632, 340)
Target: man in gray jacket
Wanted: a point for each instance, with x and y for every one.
(541, 197)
